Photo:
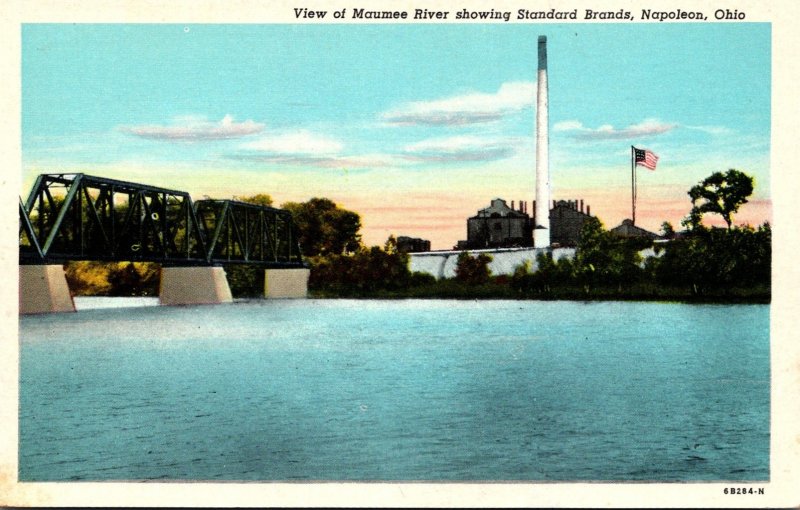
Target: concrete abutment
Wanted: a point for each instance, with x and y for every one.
(194, 286)
(44, 289)
(209, 285)
(286, 283)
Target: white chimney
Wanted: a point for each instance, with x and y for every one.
(541, 231)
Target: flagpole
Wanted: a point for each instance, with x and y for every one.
(633, 185)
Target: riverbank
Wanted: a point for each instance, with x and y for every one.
(499, 288)
(503, 288)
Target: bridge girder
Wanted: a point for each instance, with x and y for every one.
(81, 217)
(238, 231)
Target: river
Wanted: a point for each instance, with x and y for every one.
(439, 390)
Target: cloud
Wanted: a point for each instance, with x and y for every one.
(344, 162)
(296, 143)
(462, 149)
(712, 130)
(648, 127)
(465, 109)
(567, 125)
(196, 129)
(308, 149)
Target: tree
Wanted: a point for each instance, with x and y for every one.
(133, 279)
(720, 193)
(603, 259)
(549, 273)
(94, 278)
(390, 246)
(667, 230)
(473, 270)
(325, 228)
(717, 260)
(365, 271)
(259, 199)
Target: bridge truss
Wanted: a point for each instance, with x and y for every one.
(82, 217)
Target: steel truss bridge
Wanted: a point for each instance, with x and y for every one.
(82, 217)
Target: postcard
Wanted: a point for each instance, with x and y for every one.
(399, 254)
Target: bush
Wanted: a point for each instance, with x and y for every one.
(92, 278)
(245, 280)
(418, 279)
(473, 270)
(715, 259)
(367, 270)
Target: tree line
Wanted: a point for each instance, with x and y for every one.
(698, 263)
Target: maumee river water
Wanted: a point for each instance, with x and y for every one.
(435, 390)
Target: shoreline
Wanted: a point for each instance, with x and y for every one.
(100, 302)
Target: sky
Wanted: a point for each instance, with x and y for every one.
(415, 127)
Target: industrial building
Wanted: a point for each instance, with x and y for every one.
(566, 221)
(407, 244)
(627, 229)
(498, 226)
(501, 226)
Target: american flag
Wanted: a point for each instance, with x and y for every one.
(645, 158)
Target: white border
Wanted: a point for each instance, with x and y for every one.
(781, 491)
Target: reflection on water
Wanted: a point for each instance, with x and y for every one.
(93, 303)
(397, 390)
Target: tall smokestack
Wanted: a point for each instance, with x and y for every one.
(541, 231)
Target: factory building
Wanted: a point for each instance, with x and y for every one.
(627, 229)
(566, 221)
(501, 226)
(498, 226)
(407, 244)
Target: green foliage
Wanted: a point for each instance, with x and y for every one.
(245, 280)
(708, 265)
(550, 274)
(473, 270)
(720, 193)
(390, 246)
(667, 230)
(713, 260)
(450, 288)
(134, 279)
(259, 199)
(604, 259)
(419, 279)
(365, 271)
(325, 228)
(90, 278)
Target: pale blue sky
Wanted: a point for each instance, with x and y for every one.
(400, 114)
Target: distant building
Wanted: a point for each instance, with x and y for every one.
(566, 221)
(412, 244)
(501, 226)
(498, 226)
(627, 229)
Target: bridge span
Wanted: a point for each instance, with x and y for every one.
(70, 217)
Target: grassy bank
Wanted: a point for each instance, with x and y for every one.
(501, 288)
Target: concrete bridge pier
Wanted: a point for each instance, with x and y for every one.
(286, 283)
(44, 289)
(194, 286)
